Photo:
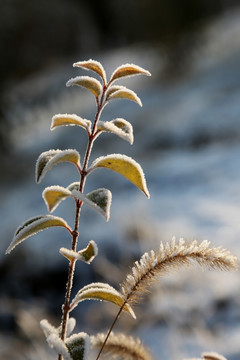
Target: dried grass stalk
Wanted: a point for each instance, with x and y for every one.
(171, 256)
(120, 346)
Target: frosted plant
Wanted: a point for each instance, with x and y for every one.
(210, 356)
(79, 346)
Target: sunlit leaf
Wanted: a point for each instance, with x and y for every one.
(100, 200)
(119, 127)
(125, 94)
(127, 70)
(69, 120)
(92, 65)
(113, 88)
(53, 195)
(78, 346)
(90, 252)
(87, 82)
(35, 225)
(101, 291)
(52, 157)
(125, 166)
(87, 255)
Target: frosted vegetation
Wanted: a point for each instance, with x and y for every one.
(152, 265)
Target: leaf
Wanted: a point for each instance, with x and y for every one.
(125, 166)
(69, 120)
(127, 70)
(119, 127)
(87, 82)
(55, 342)
(73, 186)
(87, 255)
(100, 200)
(94, 66)
(78, 346)
(52, 157)
(125, 94)
(101, 291)
(33, 226)
(49, 329)
(113, 88)
(53, 195)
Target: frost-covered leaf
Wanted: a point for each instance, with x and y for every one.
(87, 255)
(55, 342)
(212, 356)
(53, 195)
(35, 225)
(100, 200)
(125, 94)
(125, 166)
(47, 328)
(127, 70)
(87, 82)
(113, 88)
(90, 252)
(69, 120)
(78, 346)
(94, 66)
(70, 326)
(119, 127)
(101, 291)
(52, 157)
(73, 186)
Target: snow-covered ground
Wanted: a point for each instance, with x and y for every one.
(187, 141)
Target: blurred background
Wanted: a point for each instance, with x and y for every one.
(186, 139)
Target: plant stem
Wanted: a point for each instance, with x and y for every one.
(83, 174)
(110, 330)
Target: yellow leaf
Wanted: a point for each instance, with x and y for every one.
(125, 166)
(53, 195)
(35, 225)
(69, 120)
(87, 255)
(92, 65)
(87, 82)
(101, 291)
(128, 70)
(125, 94)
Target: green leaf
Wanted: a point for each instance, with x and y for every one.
(127, 70)
(87, 255)
(94, 66)
(99, 200)
(53, 195)
(125, 94)
(119, 127)
(87, 82)
(78, 346)
(125, 166)
(35, 225)
(101, 291)
(52, 157)
(70, 120)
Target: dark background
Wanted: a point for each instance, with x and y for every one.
(35, 35)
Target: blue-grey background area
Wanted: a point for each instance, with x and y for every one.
(186, 140)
